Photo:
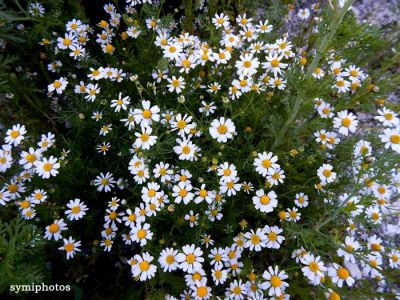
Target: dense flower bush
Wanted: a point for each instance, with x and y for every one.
(215, 155)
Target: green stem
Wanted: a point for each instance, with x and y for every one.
(323, 45)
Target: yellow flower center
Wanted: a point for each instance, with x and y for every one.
(274, 63)
(247, 64)
(12, 188)
(264, 199)
(222, 129)
(69, 247)
(202, 292)
(47, 167)
(255, 239)
(275, 281)
(14, 134)
(141, 234)
(30, 158)
(76, 209)
(395, 138)
(342, 273)
(170, 259)
(376, 247)
(327, 173)
(54, 228)
(144, 266)
(313, 266)
(272, 236)
(190, 258)
(186, 150)
(147, 114)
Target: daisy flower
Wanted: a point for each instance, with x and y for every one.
(242, 20)
(147, 115)
(217, 257)
(220, 57)
(141, 233)
(387, 117)
(167, 259)
(275, 176)
(255, 240)
(220, 21)
(163, 171)
(103, 147)
(340, 275)
(145, 140)
(150, 192)
(46, 141)
(325, 110)
(36, 9)
(325, 173)
(222, 129)
(391, 138)
(143, 266)
(301, 200)
(265, 202)
(130, 218)
(47, 167)
(120, 103)
(28, 158)
(104, 182)
(341, 85)
(186, 149)
(345, 122)
(203, 194)
(54, 230)
(182, 192)
(304, 13)
(227, 171)
(236, 290)
(293, 214)
(70, 247)
(274, 283)
(247, 65)
(314, 269)
(274, 64)
(105, 129)
(183, 124)
(172, 51)
(15, 135)
(97, 116)
(176, 84)
(373, 213)
(278, 83)
(107, 243)
(76, 210)
(273, 239)
(264, 162)
(264, 27)
(219, 275)
(347, 250)
(190, 260)
(58, 85)
(394, 258)
(4, 196)
(6, 160)
(192, 218)
(92, 90)
(375, 244)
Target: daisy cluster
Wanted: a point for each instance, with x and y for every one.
(241, 64)
(22, 160)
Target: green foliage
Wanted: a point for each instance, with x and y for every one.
(21, 261)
